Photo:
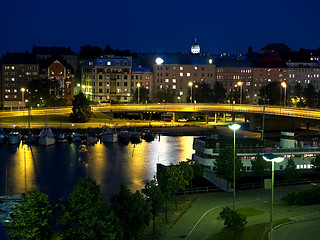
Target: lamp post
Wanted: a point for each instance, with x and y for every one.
(240, 84)
(22, 91)
(194, 98)
(190, 85)
(234, 127)
(272, 158)
(284, 85)
(138, 85)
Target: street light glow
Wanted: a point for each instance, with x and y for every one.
(234, 126)
(190, 84)
(272, 158)
(284, 84)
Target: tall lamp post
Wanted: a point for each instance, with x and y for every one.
(272, 158)
(22, 91)
(190, 85)
(240, 84)
(194, 97)
(284, 85)
(138, 85)
(234, 127)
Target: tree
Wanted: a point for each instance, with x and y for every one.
(316, 165)
(143, 95)
(167, 95)
(224, 165)
(202, 93)
(219, 93)
(187, 173)
(132, 210)
(310, 96)
(34, 219)
(260, 166)
(233, 221)
(81, 110)
(291, 173)
(155, 197)
(86, 214)
(272, 92)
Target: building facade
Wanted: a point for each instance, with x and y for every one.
(17, 72)
(107, 79)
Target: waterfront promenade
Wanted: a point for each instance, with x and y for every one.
(200, 221)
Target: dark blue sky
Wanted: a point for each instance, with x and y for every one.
(157, 26)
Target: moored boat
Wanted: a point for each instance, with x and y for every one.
(2, 136)
(62, 137)
(14, 137)
(30, 138)
(123, 136)
(109, 135)
(46, 136)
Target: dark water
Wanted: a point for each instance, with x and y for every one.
(54, 170)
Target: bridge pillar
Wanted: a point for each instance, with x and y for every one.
(224, 117)
(174, 117)
(215, 118)
(207, 117)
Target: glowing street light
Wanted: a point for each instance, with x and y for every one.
(194, 98)
(234, 127)
(240, 84)
(284, 85)
(190, 85)
(22, 91)
(272, 158)
(159, 61)
(138, 85)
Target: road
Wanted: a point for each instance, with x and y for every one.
(200, 221)
(182, 107)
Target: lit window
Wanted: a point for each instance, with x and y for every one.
(181, 74)
(181, 68)
(188, 74)
(174, 80)
(12, 79)
(6, 96)
(181, 93)
(167, 80)
(195, 68)
(12, 67)
(174, 87)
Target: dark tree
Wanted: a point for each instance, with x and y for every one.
(34, 219)
(291, 173)
(310, 96)
(202, 93)
(143, 95)
(298, 95)
(155, 197)
(233, 221)
(224, 165)
(81, 110)
(167, 95)
(219, 93)
(260, 166)
(86, 214)
(132, 210)
(272, 93)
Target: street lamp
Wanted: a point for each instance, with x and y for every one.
(284, 85)
(272, 158)
(190, 85)
(234, 127)
(22, 91)
(194, 98)
(240, 84)
(138, 85)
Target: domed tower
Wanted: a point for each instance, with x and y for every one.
(195, 48)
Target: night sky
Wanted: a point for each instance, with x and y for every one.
(159, 26)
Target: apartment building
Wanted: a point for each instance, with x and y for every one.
(107, 79)
(17, 72)
(142, 77)
(175, 71)
(56, 68)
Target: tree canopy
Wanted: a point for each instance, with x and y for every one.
(167, 95)
(219, 93)
(81, 110)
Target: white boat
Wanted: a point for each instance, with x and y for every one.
(2, 136)
(62, 138)
(14, 137)
(46, 136)
(109, 135)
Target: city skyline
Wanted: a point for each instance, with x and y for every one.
(167, 26)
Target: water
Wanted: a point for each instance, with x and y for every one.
(55, 169)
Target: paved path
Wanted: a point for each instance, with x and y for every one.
(200, 221)
(303, 230)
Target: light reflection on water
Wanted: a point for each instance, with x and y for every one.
(55, 169)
